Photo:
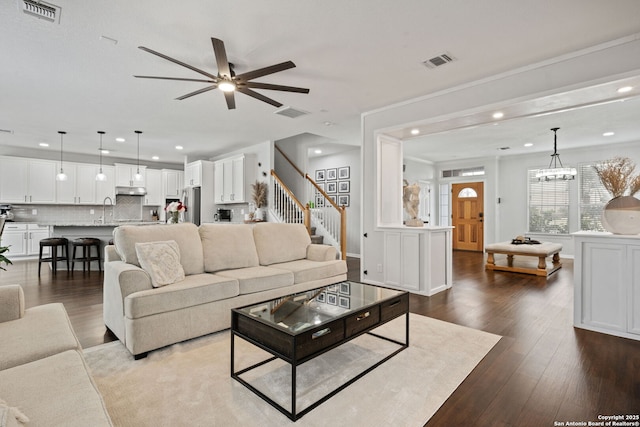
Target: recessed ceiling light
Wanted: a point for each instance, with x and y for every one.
(415, 131)
(43, 144)
(120, 140)
(625, 89)
(317, 151)
(498, 115)
(608, 134)
(528, 144)
(179, 147)
(155, 158)
(104, 151)
(328, 123)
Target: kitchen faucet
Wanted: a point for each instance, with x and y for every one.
(104, 208)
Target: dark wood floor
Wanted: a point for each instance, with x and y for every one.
(542, 371)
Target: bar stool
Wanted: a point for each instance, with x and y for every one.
(86, 243)
(54, 243)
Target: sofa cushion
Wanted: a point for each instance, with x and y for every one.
(186, 235)
(161, 260)
(228, 246)
(305, 271)
(280, 242)
(42, 331)
(193, 290)
(55, 391)
(11, 302)
(11, 416)
(257, 279)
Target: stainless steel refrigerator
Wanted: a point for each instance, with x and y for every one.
(191, 198)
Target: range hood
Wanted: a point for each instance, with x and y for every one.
(131, 191)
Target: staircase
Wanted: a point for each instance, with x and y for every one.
(325, 220)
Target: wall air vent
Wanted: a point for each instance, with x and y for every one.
(439, 60)
(291, 112)
(42, 10)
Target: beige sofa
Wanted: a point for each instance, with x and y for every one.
(43, 376)
(225, 266)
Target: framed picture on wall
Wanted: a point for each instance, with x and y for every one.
(344, 186)
(319, 201)
(332, 174)
(320, 174)
(344, 172)
(332, 187)
(335, 199)
(321, 186)
(343, 200)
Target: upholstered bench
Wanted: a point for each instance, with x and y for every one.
(541, 251)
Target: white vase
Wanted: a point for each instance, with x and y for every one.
(622, 215)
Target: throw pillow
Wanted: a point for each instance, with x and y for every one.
(11, 416)
(162, 261)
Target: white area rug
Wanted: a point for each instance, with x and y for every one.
(189, 384)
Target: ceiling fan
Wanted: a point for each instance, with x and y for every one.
(227, 81)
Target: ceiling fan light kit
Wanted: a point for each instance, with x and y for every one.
(226, 79)
(555, 172)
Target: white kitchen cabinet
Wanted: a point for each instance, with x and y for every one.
(607, 283)
(197, 174)
(125, 175)
(80, 186)
(172, 183)
(24, 239)
(27, 180)
(232, 178)
(14, 236)
(154, 195)
(418, 259)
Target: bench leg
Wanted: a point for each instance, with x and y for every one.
(510, 260)
(556, 258)
(490, 259)
(542, 262)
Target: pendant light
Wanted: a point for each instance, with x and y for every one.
(61, 176)
(555, 172)
(138, 175)
(101, 176)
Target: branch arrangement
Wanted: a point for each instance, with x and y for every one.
(259, 194)
(617, 176)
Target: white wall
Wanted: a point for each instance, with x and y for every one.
(599, 64)
(349, 158)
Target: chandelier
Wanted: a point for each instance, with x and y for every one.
(556, 171)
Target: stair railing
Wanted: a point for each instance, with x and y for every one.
(321, 212)
(286, 206)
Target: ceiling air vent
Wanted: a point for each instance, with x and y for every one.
(291, 112)
(42, 10)
(439, 60)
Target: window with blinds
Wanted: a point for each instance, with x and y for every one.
(548, 205)
(593, 197)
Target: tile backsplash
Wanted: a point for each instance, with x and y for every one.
(125, 208)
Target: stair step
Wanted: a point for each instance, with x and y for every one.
(317, 239)
(313, 231)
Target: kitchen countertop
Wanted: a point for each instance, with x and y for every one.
(89, 224)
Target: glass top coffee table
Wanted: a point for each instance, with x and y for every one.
(299, 327)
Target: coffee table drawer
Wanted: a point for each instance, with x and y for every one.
(362, 320)
(319, 339)
(394, 308)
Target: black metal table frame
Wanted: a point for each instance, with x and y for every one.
(293, 415)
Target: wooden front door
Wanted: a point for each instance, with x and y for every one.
(467, 204)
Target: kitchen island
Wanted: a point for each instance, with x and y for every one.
(101, 231)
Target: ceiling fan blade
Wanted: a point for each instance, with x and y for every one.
(231, 100)
(175, 78)
(175, 61)
(249, 75)
(197, 92)
(259, 96)
(221, 58)
(269, 86)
